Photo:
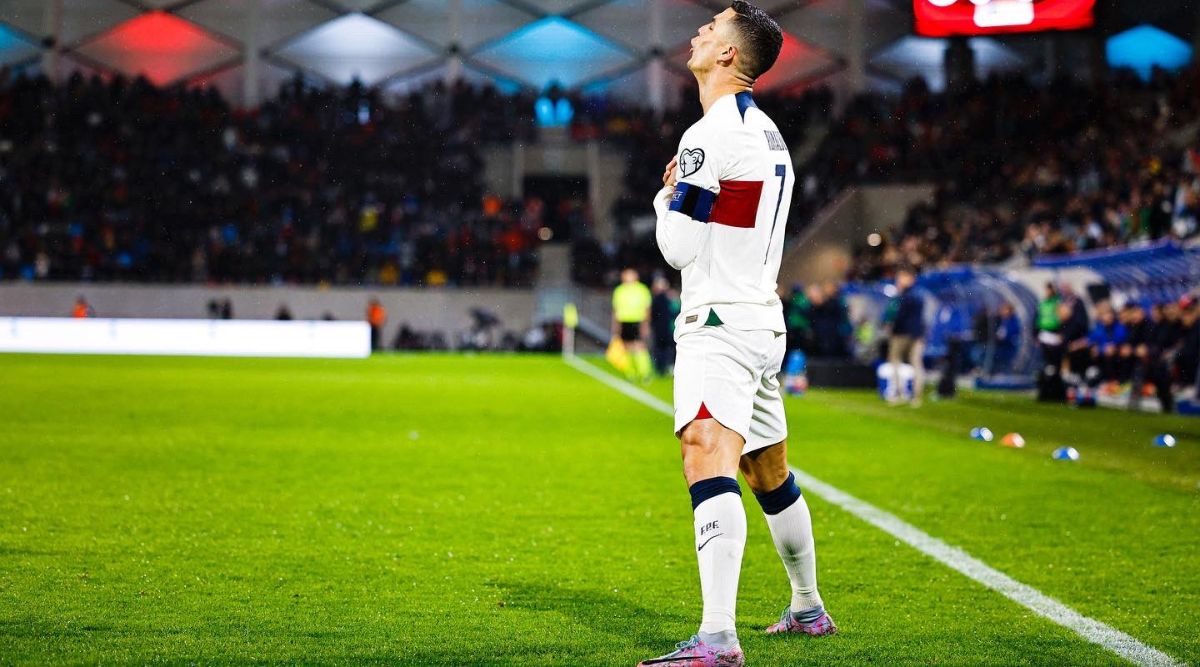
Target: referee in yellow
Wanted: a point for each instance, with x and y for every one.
(631, 321)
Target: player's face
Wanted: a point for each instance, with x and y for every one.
(710, 42)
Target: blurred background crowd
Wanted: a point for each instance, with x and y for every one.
(121, 180)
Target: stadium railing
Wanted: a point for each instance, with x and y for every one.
(1156, 273)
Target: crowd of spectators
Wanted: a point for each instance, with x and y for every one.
(120, 180)
(1020, 169)
(117, 179)
(1132, 347)
(1023, 169)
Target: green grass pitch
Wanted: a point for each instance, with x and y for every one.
(495, 510)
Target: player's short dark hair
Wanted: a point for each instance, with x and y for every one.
(761, 38)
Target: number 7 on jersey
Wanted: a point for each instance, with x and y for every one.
(781, 172)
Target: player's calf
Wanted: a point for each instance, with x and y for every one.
(791, 529)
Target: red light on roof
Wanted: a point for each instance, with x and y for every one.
(796, 61)
(160, 46)
(159, 32)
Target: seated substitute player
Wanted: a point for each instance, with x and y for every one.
(721, 218)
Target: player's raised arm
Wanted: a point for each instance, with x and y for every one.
(684, 207)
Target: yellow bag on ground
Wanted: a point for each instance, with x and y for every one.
(617, 355)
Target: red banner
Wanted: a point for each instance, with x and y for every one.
(944, 18)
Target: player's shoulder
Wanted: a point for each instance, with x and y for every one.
(734, 130)
(703, 130)
(735, 120)
(745, 126)
(740, 112)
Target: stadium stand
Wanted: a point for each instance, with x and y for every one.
(1091, 167)
(122, 180)
(1161, 272)
(1084, 167)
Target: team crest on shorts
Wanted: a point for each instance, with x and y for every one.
(690, 161)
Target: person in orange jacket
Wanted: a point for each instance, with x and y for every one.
(82, 308)
(376, 317)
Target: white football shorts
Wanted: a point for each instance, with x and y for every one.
(734, 374)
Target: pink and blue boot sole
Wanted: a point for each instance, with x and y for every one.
(695, 653)
(788, 624)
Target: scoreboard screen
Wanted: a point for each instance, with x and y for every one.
(945, 18)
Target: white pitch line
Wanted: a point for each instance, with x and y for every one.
(626, 388)
(955, 558)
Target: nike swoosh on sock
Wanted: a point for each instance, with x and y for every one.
(707, 541)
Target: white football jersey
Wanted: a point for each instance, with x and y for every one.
(723, 223)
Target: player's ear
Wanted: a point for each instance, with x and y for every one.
(726, 57)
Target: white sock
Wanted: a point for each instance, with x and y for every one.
(720, 539)
(791, 530)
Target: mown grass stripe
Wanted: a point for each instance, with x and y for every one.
(955, 558)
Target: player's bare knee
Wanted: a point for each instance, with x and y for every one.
(750, 473)
(697, 440)
(708, 451)
(765, 472)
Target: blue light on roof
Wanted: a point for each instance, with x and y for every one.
(553, 50)
(13, 47)
(1145, 47)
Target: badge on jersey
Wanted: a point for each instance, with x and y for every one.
(690, 161)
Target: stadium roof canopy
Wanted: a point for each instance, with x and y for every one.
(634, 48)
(588, 44)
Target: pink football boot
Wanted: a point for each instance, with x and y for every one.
(695, 653)
(788, 624)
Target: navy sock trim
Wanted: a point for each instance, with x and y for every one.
(712, 487)
(774, 502)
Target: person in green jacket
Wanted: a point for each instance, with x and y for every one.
(1048, 311)
(797, 314)
(1050, 339)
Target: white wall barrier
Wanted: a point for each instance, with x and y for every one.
(238, 338)
(427, 310)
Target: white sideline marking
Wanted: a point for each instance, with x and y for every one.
(626, 388)
(953, 557)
